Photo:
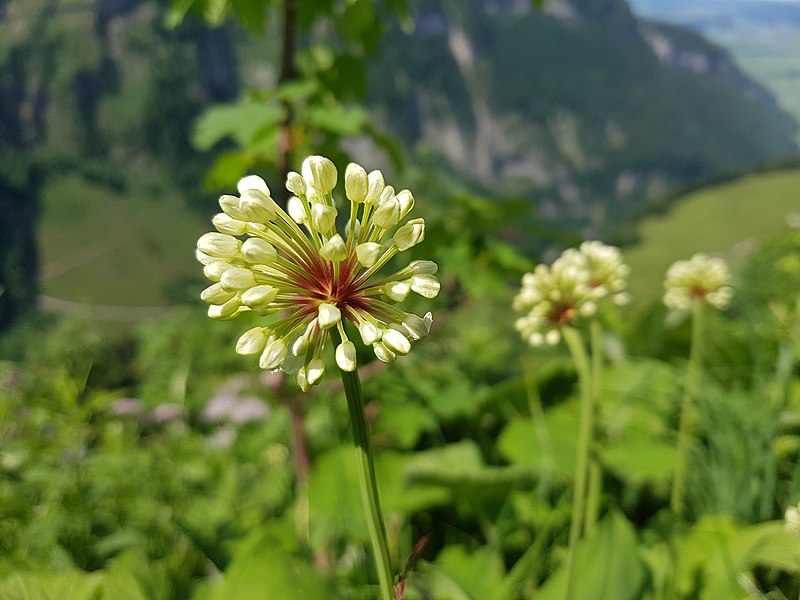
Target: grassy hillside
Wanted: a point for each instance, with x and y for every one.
(725, 219)
(102, 246)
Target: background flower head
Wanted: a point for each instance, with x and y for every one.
(568, 290)
(699, 278)
(265, 259)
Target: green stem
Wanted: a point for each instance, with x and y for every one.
(547, 461)
(579, 356)
(687, 418)
(369, 487)
(595, 470)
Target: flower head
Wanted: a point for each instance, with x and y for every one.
(699, 278)
(265, 259)
(569, 290)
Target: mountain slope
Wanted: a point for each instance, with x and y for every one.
(581, 106)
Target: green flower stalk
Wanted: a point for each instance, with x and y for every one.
(299, 264)
(690, 285)
(555, 300)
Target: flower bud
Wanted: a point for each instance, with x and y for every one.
(230, 205)
(203, 259)
(387, 214)
(397, 290)
(237, 279)
(426, 286)
(273, 355)
(375, 185)
(214, 270)
(368, 253)
(258, 251)
(423, 267)
(296, 184)
(251, 341)
(296, 209)
(328, 315)
(370, 333)
(320, 173)
(225, 224)
(346, 356)
(259, 297)
(356, 184)
(383, 353)
(218, 245)
(396, 342)
(257, 206)
(410, 234)
(323, 217)
(334, 249)
(252, 182)
(417, 327)
(315, 370)
(215, 294)
(224, 311)
(386, 195)
(406, 201)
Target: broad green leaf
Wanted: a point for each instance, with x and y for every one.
(264, 567)
(607, 565)
(460, 574)
(639, 459)
(52, 586)
(240, 121)
(405, 422)
(551, 446)
(338, 119)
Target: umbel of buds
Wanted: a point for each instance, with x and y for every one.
(700, 278)
(298, 263)
(569, 290)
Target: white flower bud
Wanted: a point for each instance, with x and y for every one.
(214, 270)
(230, 205)
(406, 201)
(315, 370)
(426, 286)
(273, 355)
(417, 327)
(323, 217)
(386, 195)
(328, 315)
(296, 209)
(302, 379)
(215, 294)
(314, 196)
(396, 342)
(423, 267)
(368, 253)
(202, 258)
(237, 279)
(300, 345)
(370, 333)
(410, 234)
(320, 173)
(252, 182)
(257, 206)
(218, 245)
(225, 224)
(397, 290)
(259, 297)
(383, 353)
(553, 337)
(334, 249)
(346, 356)
(224, 311)
(258, 251)
(387, 214)
(296, 184)
(375, 185)
(356, 184)
(252, 341)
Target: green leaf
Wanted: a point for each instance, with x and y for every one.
(265, 567)
(405, 422)
(640, 459)
(338, 119)
(240, 121)
(52, 586)
(607, 564)
(460, 574)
